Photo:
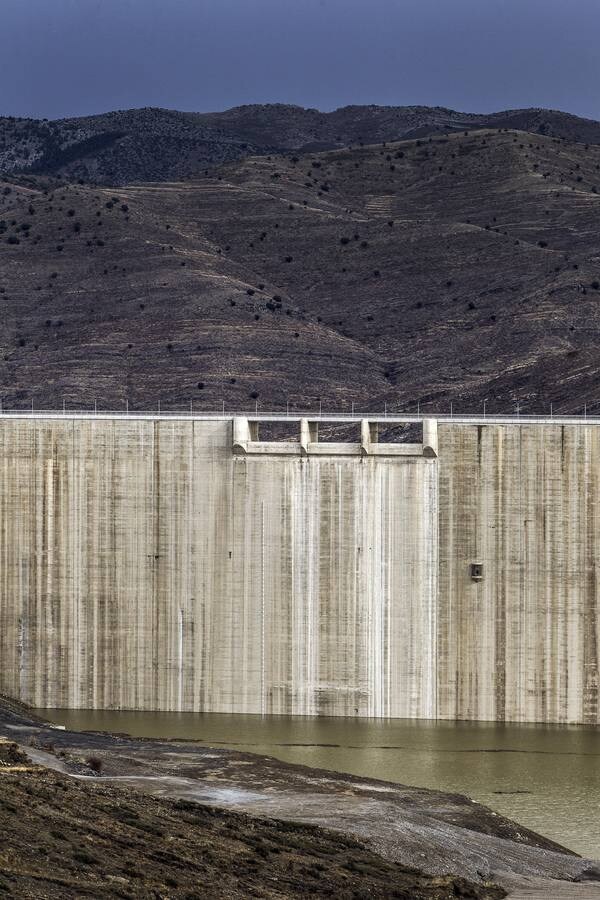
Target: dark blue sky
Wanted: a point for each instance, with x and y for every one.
(72, 57)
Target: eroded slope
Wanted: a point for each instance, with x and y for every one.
(456, 269)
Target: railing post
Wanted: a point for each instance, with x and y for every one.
(430, 438)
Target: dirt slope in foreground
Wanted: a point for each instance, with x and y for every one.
(446, 836)
(61, 837)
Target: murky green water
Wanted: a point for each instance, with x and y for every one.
(546, 777)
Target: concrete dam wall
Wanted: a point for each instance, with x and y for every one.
(186, 564)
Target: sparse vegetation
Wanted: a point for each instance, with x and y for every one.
(393, 261)
(94, 763)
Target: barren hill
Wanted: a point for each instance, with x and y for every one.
(149, 144)
(455, 268)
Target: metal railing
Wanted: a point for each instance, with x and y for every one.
(386, 416)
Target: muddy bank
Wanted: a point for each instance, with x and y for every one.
(438, 834)
(64, 837)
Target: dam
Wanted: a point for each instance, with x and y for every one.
(185, 563)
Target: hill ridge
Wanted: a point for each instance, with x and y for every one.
(155, 144)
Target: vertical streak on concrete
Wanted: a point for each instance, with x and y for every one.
(431, 591)
(180, 704)
(591, 622)
(305, 509)
(536, 523)
(373, 591)
(262, 610)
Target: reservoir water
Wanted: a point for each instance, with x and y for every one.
(545, 777)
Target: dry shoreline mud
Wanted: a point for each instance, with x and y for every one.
(212, 806)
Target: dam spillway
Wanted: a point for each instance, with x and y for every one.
(183, 563)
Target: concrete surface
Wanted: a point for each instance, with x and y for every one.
(155, 563)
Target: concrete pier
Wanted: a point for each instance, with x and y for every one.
(182, 563)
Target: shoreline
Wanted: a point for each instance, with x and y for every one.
(438, 834)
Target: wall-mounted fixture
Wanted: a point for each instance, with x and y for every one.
(476, 571)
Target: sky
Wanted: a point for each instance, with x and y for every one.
(75, 57)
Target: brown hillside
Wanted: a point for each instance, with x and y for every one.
(452, 269)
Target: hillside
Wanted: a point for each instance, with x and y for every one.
(446, 270)
(120, 147)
